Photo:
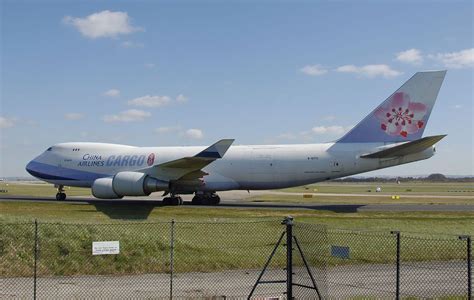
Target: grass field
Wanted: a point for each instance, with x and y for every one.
(212, 239)
(207, 239)
(405, 188)
(358, 199)
(355, 192)
(364, 193)
(39, 189)
(429, 222)
(423, 222)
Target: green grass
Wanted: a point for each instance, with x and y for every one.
(65, 249)
(52, 212)
(39, 189)
(356, 199)
(405, 188)
(211, 239)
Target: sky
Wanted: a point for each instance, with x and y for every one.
(165, 73)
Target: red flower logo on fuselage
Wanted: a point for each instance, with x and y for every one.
(400, 116)
(151, 159)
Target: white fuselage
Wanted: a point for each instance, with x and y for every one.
(243, 167)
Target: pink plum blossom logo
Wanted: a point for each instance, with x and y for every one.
(400, 116)
(151, 159)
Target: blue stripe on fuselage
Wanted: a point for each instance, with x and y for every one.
(50, 172)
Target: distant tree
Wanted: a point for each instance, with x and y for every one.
(436, 177)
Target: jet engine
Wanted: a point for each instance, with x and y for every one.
(127, 184)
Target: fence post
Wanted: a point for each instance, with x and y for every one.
(35, 259)
(171, 257)
(397, 288)
(289, 257)
(468, 240)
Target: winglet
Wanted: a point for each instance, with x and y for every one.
(216, 150)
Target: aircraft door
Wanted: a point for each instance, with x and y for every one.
(336, 166)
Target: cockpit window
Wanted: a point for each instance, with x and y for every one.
(49, 149)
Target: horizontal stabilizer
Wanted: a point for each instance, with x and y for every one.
(407, 148)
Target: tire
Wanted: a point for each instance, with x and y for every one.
(166, 201)
(60, 196)
(206, 201)
(215, 200)
(175, 201)
(196, 200)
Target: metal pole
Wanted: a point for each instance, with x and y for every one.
(289, 257)
(397, 291)
(266, 265)
(171, 258)
(469, 267)
(308, 268)
(468, 240)
(35, 259)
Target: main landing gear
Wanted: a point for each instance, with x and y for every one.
(206, 199)
(198, 199)
(60, 195)
(173, 200)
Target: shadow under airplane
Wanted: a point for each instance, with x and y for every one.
(141, 209)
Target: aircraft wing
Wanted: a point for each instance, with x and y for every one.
(406, 148)
(190, 167)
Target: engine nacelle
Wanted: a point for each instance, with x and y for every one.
(127, 184)
(130, 184)
(102, 188)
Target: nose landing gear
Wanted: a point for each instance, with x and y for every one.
(60, 195)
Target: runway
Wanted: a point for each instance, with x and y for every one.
(231, 200)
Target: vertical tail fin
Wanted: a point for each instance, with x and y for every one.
(402, 116)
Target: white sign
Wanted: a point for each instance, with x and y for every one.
(102, 248)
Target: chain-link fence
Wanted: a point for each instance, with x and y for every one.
(385, 265)
(228, 260)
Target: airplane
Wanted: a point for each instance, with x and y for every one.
(390, 135)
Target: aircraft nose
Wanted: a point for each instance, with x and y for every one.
(29, 168)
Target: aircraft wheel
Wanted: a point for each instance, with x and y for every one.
(214, 200)
(61, 196)
(172, 201)
(176, 201)
(197, 200)
(205, 200)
